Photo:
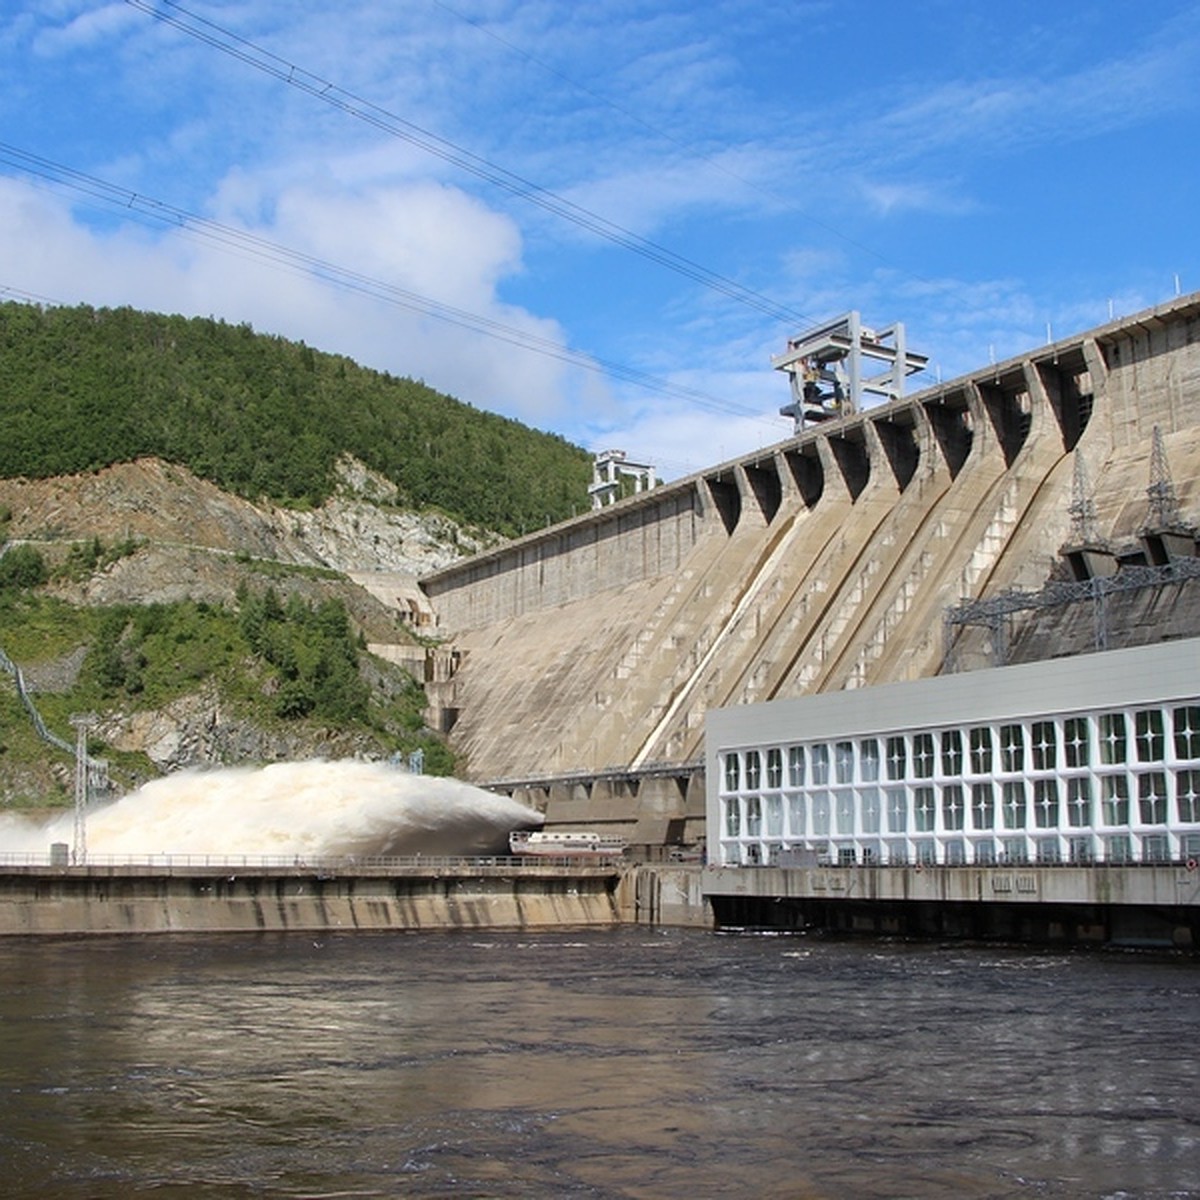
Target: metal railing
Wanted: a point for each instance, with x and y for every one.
(999, 863)
(325, 864)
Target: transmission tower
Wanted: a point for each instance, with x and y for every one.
(1082, 507)
(1164, 505)
(81, 722)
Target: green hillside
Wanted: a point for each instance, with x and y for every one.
(82, 388)
(292, 673)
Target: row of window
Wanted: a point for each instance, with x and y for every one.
(1150, 736)
(1077, 849)
(1083, 801)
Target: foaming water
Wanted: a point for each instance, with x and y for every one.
(294, 808)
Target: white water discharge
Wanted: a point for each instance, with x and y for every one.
(295, 808)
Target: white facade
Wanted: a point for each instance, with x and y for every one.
(1088, 759)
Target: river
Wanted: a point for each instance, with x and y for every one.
(599, 1063)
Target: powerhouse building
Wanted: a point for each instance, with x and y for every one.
(1088, 759)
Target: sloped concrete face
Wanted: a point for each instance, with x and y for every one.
(824, 563)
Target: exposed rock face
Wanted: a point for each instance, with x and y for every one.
(359, 529)
(193, 541)
(197, 729)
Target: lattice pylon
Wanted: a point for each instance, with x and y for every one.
(1164, 505)
(82, 722)
(1082, 507)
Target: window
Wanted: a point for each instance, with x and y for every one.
(1045, 803)
(926, 852)
(820, 813)
(952, 752)
(774, 816)
(1043, 745)
(870, 810)
(843, 762)
(733, 820)
(753, 770)
(1187, 731)
(923, 755)
(1013, 804)
(956, 852)
(1046, 850)
(1148, 735)
(985, 851)
(897, 817)
(1112, 738)
(896, 758)
(1156, 848)
(1012, 748)
(845, 810)
(1187, 795)
(953, 806)
(795, 766)
(1080, 849)
(868, 760)
(1118, 848)
(731, 772)
(774, 768)
(1015, 850)
(1075, 741)
(924, 809)
(753, 816)
(1152, 798)
(1079, 802)
(819, 757)
(983, 806)
(981, 751)
(1114, 800)
(796, 816)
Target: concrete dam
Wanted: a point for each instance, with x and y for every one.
(579, 662)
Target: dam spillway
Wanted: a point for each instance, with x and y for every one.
(594, 648)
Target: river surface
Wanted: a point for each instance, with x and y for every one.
(623, 1063)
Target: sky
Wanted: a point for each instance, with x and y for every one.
(604, 219)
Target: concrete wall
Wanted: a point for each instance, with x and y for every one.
(666, 895)
(1132, 906)
(121, 901)
(823, 563)
(640, 539)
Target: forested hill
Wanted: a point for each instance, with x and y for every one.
(82, 388)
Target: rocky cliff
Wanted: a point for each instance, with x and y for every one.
(181, 538)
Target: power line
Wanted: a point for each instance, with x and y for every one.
(133, 205)
(380, 118)
(657, 131)
(28, 297)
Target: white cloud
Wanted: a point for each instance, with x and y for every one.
(999, 114)
(426, 239)
(892, 198)
(85, 30)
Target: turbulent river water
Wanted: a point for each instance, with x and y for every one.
(614, 1063)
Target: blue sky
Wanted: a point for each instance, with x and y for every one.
(983, 172)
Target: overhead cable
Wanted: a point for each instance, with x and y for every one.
(133, 205)
(237, 47)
